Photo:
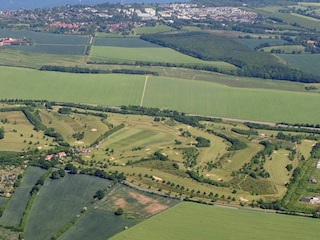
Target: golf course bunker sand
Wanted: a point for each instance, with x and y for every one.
(94, 129)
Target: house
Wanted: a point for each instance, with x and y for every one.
(311, 200)
(49, 157)
(62, 155)
(318, 165)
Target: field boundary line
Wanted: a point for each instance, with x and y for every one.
(144, 90)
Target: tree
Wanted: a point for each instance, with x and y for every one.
(99, 194)
(1, 133)
(119, 212)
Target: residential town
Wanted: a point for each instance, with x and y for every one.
(111, 18)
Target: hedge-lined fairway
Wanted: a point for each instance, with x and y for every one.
(14, 211)
(149, 54)
(58, 202)
(194, 221)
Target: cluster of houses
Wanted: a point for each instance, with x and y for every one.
(59, 155)
(13, 41)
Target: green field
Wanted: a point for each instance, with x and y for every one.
(223, 101)
(123, 42)
(193, 221)
(286, 49)
(148, 54)
(15, 209)
(197, 97)
(306, 62)
(252, 43)
(97, 224)
(150, 30)
(58, 202)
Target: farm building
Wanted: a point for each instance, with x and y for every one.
(311, 200)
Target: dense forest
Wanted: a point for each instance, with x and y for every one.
(210, 47)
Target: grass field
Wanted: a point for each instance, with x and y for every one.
(252, 43)
(197, 97)
(97, 224)
(14, 57)
(306, 62)
(222, 101)
(151, 30)
(286, 49)
(149, 54)
(62, 200)
(204, 222)
(19, 133)
(124, 42)
(15, 209)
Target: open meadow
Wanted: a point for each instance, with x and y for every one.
(189, 96)
(221, 223)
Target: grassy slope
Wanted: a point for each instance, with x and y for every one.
(306, 62)
(206, 222)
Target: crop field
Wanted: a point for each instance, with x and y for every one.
(45, 38)
(99, 225)
(48, 43)
(150, 30)
(221, 101)
(14, 57)
(123, 42)
(148, 54)
(305, 62)
(222, 223)
(286, 49)
(207, 98)
(20, 134)
(306, 22)
(109, 89)
(252, 43)
(70, 194)
(15, 209)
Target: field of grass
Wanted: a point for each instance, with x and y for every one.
(124, 43)
(19, 133)
(15, 209)
(150, 30)
(7, 234)
(286, 49)
(303, 21)
(58, 202)
(14, 57)
(305, 62)
(222, 223)
(48, 43)
(109, 89)
(149, 54)
(252, 43)
(207, 98)
(222, 101)
(97, 224)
